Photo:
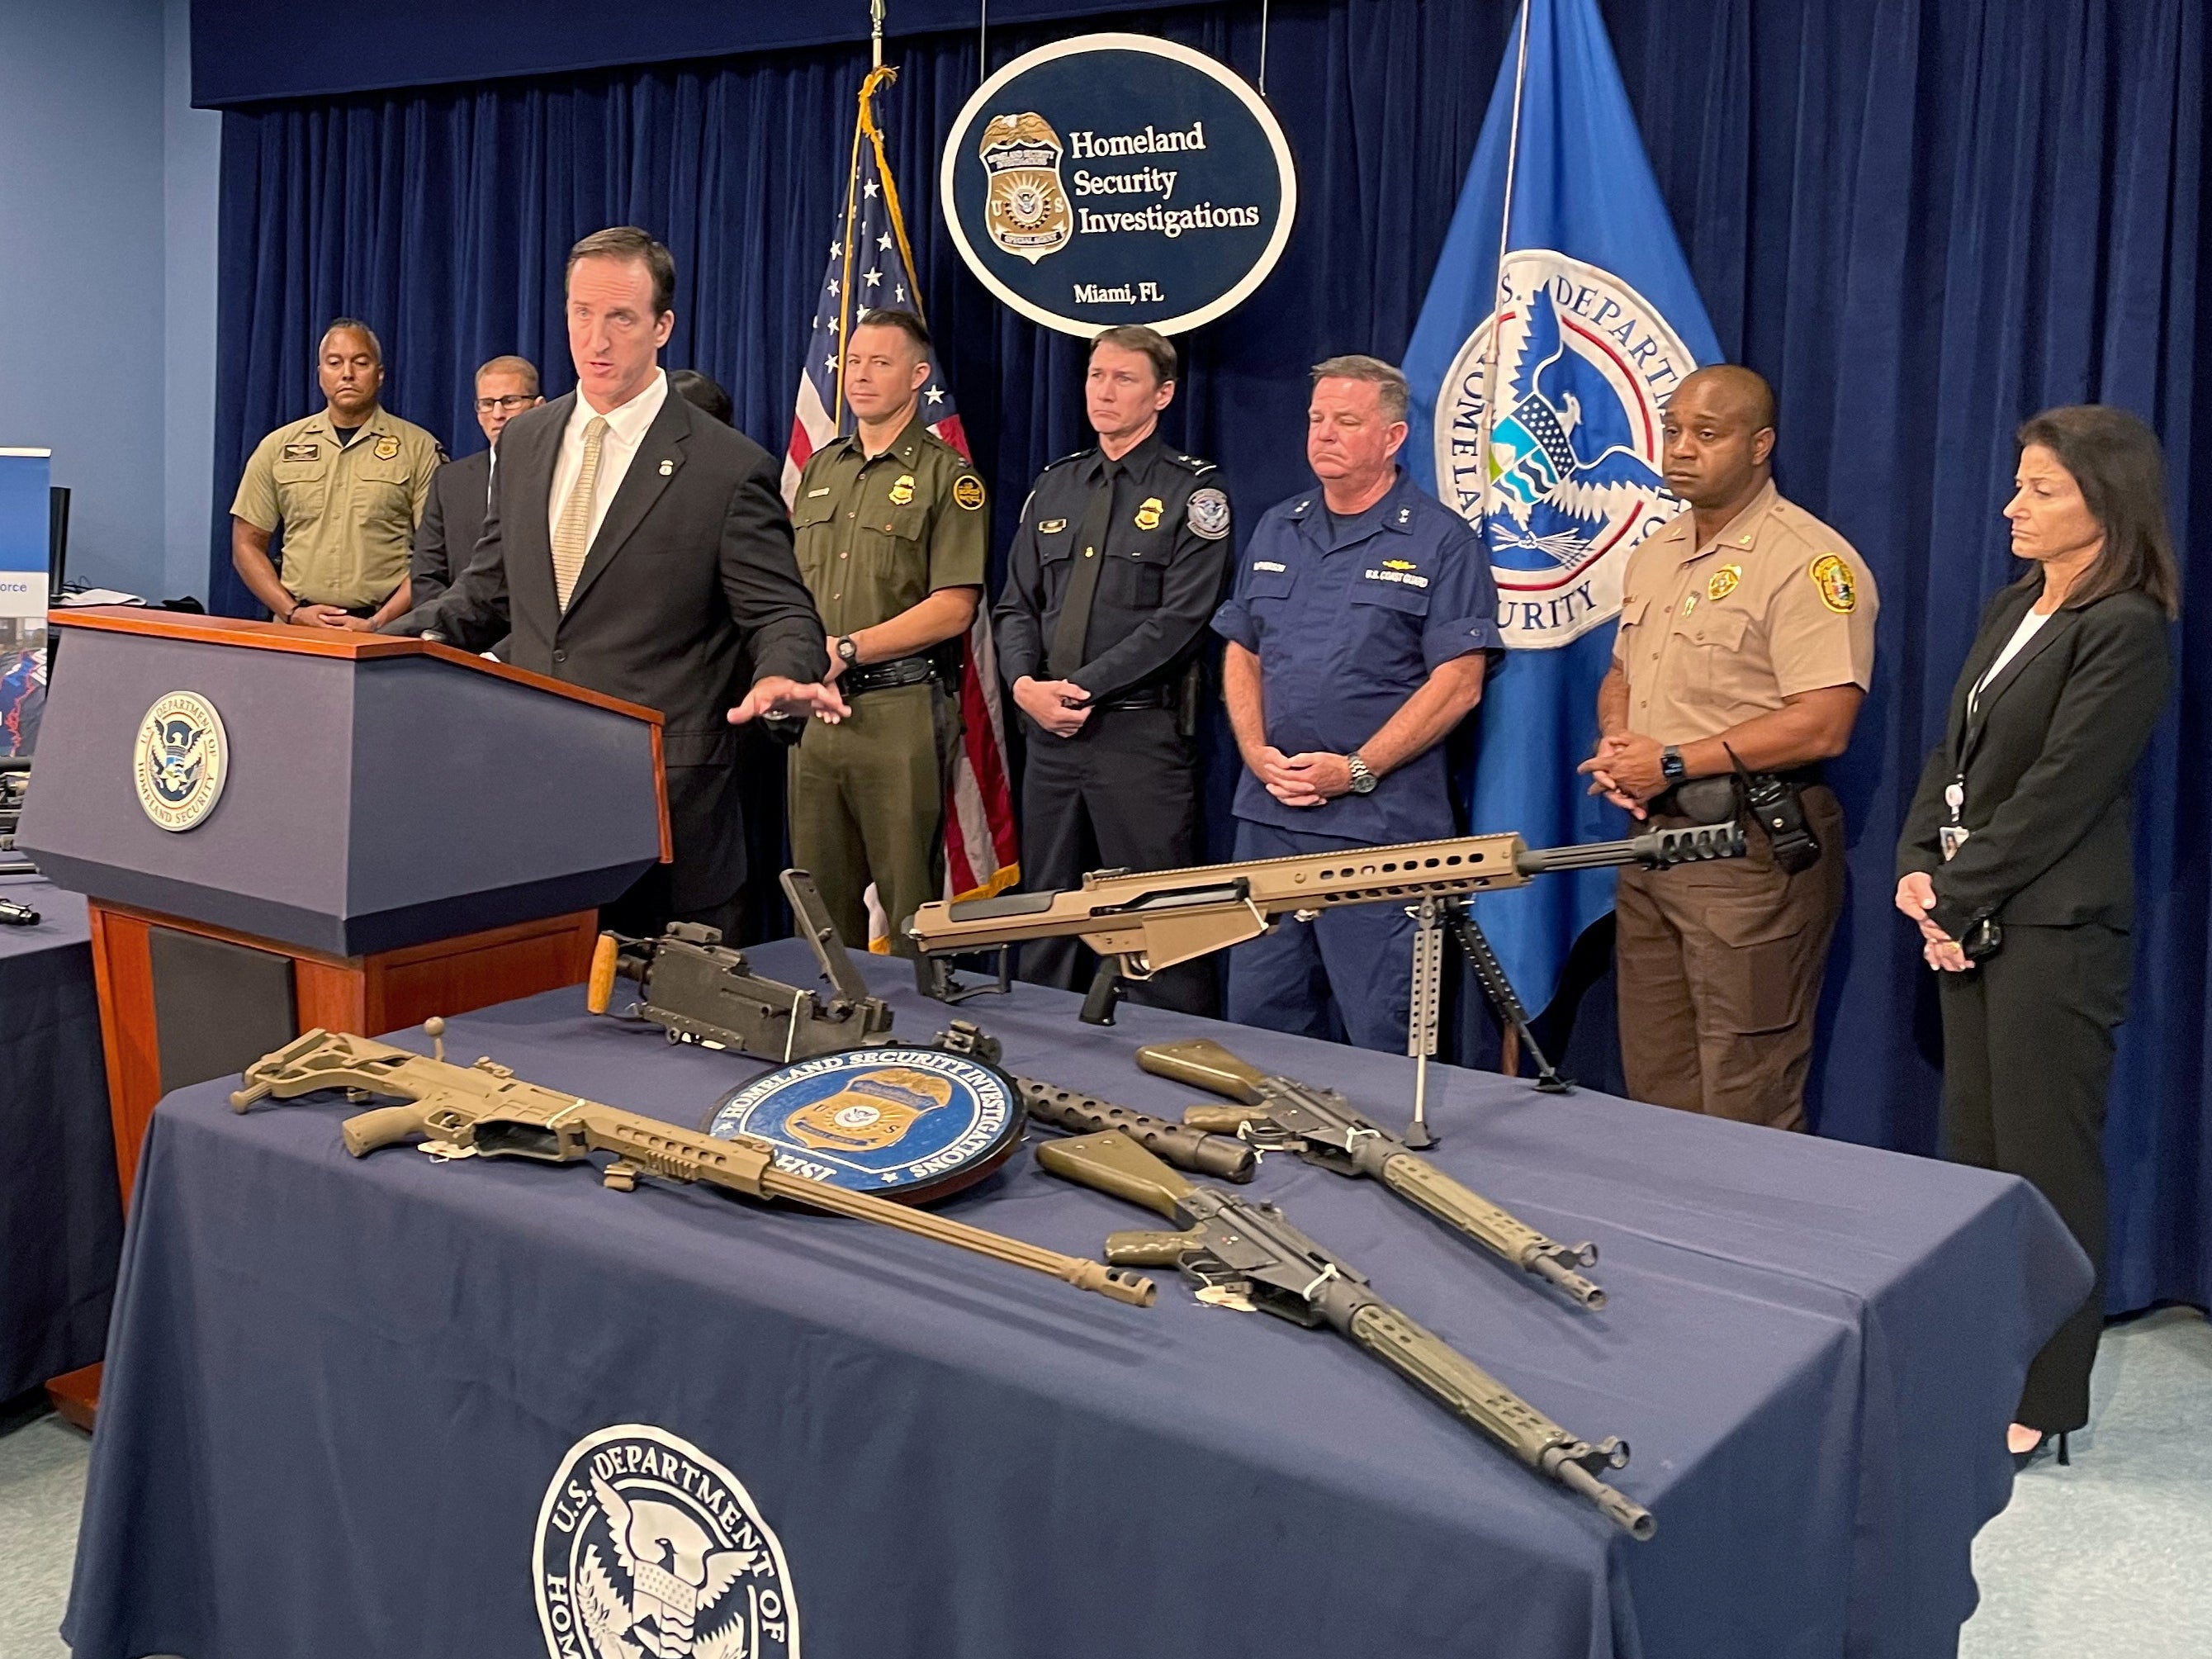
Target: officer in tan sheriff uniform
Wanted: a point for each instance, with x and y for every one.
(1746, 635)
(347, 485)
(893, 541)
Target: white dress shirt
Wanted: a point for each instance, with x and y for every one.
(626, 428)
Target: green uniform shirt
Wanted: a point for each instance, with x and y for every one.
(876, 537)
(348, 513)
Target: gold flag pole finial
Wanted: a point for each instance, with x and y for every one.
(876, 28)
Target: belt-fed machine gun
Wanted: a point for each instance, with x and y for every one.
(700, 990)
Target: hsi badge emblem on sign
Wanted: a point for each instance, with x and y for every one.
(646, 1545)
(1029, 214)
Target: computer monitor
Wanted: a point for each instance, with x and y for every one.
(57, 510)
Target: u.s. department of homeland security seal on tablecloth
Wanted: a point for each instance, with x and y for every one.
(1570, 479)
(182, 760)
(646, 1545)
(910, 1124)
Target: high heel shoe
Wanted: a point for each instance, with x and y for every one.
(2021, 1459)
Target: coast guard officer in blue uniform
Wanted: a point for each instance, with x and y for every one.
(1361, 625)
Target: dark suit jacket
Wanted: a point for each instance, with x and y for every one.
(692, 563)
(2048, 763)
(453, 524)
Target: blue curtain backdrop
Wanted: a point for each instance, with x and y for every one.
(1923, 221)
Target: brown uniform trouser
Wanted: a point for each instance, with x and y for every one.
(1719, 969)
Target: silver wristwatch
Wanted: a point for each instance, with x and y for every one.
(1362, 781)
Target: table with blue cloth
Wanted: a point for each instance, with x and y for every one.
(60, 1207)
(338, 1391)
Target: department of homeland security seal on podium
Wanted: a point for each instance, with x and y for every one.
(904, 1123)
(646, 1545)
(1118, 179)
(181, 760)
(1585, 366)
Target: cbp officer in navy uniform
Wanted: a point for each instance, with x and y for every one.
(1115, 568)
(1360, 630)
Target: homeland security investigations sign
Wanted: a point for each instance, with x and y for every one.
(1570, 482)
(1118, 179)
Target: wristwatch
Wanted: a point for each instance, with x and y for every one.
(848, 652)
(1362, 781)
(1670, 764)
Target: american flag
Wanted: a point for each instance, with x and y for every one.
(872, 266)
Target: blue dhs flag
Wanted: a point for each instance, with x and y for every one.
(1538, 381)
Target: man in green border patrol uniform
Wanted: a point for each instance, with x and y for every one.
(893, 539)
(347, 485)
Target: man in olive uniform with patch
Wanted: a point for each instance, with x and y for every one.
(1112, 578)
(892, 540)
(1745, 637)
(347, 486)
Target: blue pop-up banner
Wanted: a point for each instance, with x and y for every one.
(24, 520)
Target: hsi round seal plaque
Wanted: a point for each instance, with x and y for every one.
(910, 1124)
(648, 1546)
(181, 760)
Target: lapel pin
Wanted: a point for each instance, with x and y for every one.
(667, 468)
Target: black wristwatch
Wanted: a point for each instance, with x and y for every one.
(1670, 764)
(1362, 781)
(848, 652)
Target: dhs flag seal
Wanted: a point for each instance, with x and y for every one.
(648, 1546)
(1561, 318)
(1570, 481)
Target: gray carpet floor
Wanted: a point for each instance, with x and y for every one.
(2109, 1559)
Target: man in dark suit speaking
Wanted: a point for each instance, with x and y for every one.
(635, 545)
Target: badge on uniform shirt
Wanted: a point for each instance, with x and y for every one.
(1723, 581)
(1052, 527)
(1838, 591)
(386, 448)
(968, 492)
(1208, 513)
(1148, 513)
(902, 489)
(302, 451)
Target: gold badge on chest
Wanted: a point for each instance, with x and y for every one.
(387, 449)
(902, 489)
(1723, 581)
(1148, 513)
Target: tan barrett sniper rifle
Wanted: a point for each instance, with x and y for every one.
(482, 1110)
(1141, 923)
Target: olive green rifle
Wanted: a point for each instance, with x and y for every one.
(1248, 1255)
(483, 1111)
(1141, 922)
(1280, 1114)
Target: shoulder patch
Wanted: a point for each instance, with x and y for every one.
(1838, 587)
(968, 491)
(1208, 513)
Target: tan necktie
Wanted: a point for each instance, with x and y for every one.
(572, 532)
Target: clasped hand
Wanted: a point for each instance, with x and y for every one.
(1916, 897)
(1061, 707)
(1308, 780)
(1625, 769)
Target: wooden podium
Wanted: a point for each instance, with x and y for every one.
(280, 828)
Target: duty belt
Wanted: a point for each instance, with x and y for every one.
(1712, 798)
(1151, 697)
(882, 676)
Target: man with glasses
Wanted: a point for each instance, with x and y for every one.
(453, 519)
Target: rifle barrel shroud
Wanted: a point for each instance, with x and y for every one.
(482, 1109)
(1250, 1252)
(1159, 918)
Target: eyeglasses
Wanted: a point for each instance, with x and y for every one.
(485, 405)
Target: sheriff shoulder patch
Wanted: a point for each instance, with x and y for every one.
(1838, 588)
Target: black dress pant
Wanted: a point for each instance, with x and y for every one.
(2028, 1054)
(1122, 794)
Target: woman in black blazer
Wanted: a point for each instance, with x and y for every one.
(2014, 860)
